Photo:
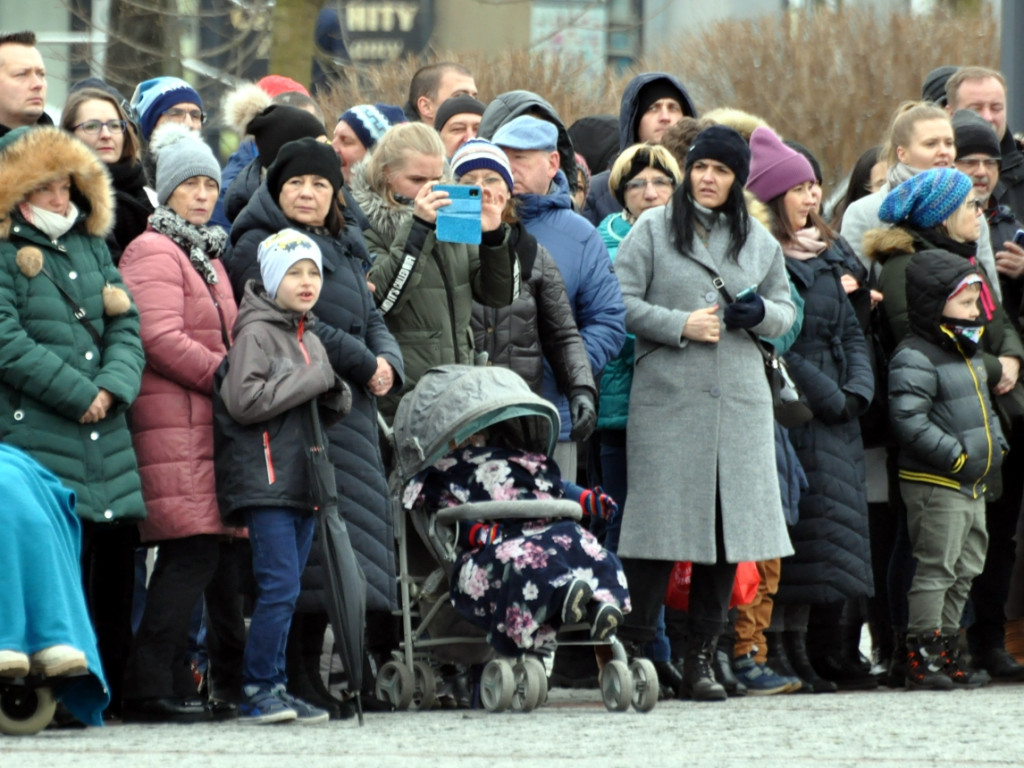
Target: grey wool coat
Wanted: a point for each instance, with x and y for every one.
(700, 415)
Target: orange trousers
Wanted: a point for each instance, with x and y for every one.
(753, 618)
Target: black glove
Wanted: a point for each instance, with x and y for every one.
(583, 414)
(744, 314)
(853, 407)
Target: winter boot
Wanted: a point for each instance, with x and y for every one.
(302, 666)
(926, 663)
(844, 665)
(725, 675)
(896, 675)
(961, 675)
(777, 661)
(670, 679)
(795, 643)
(699, 681)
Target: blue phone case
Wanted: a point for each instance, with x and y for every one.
(459, 222)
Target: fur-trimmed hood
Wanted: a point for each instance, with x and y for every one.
(33, 156)
(742, 122)
(242, 105)
(880, 244)
(384, 218)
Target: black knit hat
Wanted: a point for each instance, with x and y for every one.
(974, 135)
(934, 86)
(464, 104)
(662, 88)
(302, 157)
(721, 143)
(278, 124)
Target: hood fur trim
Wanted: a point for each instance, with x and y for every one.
(880, 244)
(742, 122)
(242, 106)
(44, 154)
(757, 210)
(384, 218)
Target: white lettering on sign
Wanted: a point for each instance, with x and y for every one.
(380, 17)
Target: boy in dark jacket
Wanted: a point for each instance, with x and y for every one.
(264, 433)
(950, 443)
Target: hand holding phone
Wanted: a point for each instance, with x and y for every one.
(747, 294)
(459, 222)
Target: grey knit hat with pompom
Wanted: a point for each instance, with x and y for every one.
(180, 154)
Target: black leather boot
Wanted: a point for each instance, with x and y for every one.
(896, 675)
(699, 681)
(724, 675)
(795, 643)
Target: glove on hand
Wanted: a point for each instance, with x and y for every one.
(482, 534)
(583, 414)
(597, 503)
(744, 314)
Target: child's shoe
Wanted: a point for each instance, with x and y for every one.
(574, 609)
(58, 660)
(961, 676)
(13, 664)
(606, 618)
(760, 679)
(926, 663)
(261, 705)
(305, 713)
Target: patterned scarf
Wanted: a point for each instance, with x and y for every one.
(200, 243)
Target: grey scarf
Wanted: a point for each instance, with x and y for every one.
(200, 243)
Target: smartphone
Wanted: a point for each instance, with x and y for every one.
(459, 222)
(747, 293)
(1018, 237)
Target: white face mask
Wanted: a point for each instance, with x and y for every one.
(53, 225)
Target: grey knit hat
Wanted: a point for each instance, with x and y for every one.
(180, 154)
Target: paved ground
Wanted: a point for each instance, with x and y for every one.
(883, 729)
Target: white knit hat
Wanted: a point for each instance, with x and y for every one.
(278, 252)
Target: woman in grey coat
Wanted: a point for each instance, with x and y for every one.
(701, 448)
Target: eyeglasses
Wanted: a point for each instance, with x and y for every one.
(92, 127)
(659, 182)
(178, 115)
(989, 163)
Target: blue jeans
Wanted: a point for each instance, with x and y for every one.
(281, 539)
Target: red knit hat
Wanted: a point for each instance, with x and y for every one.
(275, 85)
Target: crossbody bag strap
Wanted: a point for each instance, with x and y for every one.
(79, 312)
(223, 328)
(719, 283)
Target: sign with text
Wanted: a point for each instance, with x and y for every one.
(369, 31)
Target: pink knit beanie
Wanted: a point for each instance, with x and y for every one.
(774, 167)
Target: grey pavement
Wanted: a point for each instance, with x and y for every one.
(884, 728)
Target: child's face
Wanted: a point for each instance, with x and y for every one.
(300, 287)
(964, 306)
(53, 196)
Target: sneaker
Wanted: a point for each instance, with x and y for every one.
(607, 618)
(264, 706)
(576, 598)
(305, 713)
(58, 660)
(759, 678)
(13, 664)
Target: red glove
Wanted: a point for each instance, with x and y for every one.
(481, 534)
(597, 503)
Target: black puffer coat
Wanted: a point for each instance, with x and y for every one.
(537, 325)
(354, 335)
(829, 362)
(939, 404)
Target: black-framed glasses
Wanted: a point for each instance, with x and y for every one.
(92, 127)
(178, 115)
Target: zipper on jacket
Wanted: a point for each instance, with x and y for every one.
(302, 345)
(271, 476)
(984, 414)
(451, 309)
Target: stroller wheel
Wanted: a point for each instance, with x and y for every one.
(25, 709)
(531, 684)
(425, 693)
(616, 686)
(395, 685)
(645, 685)
(497, 685)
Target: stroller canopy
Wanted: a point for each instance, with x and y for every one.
(452, 402)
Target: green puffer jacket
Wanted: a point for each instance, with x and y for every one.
(425, 288)
(50, 367)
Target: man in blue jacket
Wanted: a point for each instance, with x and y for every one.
(545, 208)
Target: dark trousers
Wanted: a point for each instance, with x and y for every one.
(108, 551)
(710, 590)
(186, 569)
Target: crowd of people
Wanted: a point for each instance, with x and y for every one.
(169, 326)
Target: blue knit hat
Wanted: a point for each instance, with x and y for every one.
(927, 199)
(371, 121)
(527, 133)
(480, 153)
(154, 97)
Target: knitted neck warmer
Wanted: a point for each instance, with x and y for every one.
(200, 243)
(805, 245)
(53, 225)
(900, 173)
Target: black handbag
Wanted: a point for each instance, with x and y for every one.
(321, 486)
(788, 403)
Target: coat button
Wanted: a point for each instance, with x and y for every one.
(73, 275)
(19, 415)
(715, 391)
(108, 513)
(89, 355)
(710, 297)
(94, 436)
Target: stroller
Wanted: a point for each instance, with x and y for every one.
(449, 404)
